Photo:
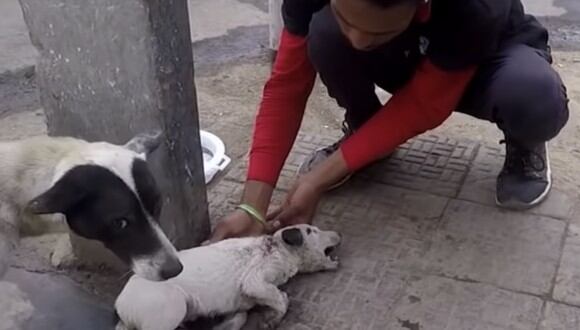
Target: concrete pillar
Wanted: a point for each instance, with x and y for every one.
(109, 69)
(276, 23)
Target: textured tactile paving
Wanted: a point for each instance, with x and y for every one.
(428, 163)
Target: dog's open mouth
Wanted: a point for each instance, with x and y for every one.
(331, 253)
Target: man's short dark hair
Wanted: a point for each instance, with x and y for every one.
(390, 3)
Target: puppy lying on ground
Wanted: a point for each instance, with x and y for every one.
(105, 191)
(228, 278)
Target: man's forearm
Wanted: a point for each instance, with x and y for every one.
(280, 115)
(258, 194)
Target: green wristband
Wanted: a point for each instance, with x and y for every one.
(253, 213)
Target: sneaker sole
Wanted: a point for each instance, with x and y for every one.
(517, 205)
(336, 185)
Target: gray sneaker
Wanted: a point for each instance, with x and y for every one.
(319, 155)
(525, 179)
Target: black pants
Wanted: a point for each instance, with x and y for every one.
(517, 88)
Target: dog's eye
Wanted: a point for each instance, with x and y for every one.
(308, 231)
(120, 224)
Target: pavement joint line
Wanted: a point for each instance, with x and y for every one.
(544, 297)
(478, 146)
(542, 315)
(449, 199)
(439, 224)
(561, 219)
(560, 257)
(565, 219)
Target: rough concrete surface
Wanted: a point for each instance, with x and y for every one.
(80, 312)
(17, 51)
(15, 307)
(424, 245)
(560, 317)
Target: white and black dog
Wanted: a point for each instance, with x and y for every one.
(228, 278)
(105, 191)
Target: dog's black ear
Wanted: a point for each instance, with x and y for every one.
(145, 143)
(293, 237)
(58, 199)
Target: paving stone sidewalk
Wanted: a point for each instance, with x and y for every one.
(426, 248)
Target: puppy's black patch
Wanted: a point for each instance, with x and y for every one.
(293, 237)
(269, 245)
(99, 205)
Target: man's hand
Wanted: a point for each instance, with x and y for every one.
(302, 200)
(240, 224)
(299, 207)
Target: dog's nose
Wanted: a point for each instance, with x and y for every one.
(170, 269)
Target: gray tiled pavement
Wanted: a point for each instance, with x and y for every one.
(426, 248)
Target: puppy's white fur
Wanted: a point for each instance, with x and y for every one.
(30, 167)
(15, 307)
(226, 278)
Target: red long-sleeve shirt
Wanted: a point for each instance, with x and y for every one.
(281, 110)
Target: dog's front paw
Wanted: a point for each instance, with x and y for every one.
(271, 320)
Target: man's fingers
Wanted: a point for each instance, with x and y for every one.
(216, 238)
(273, 215)
(272, 226)
(213, 239)
(219, 233)
(287, 215)
(278, 219)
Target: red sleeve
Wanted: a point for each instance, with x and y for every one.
(281, 110)
(424, 103)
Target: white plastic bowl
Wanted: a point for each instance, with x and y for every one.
(214, 155)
